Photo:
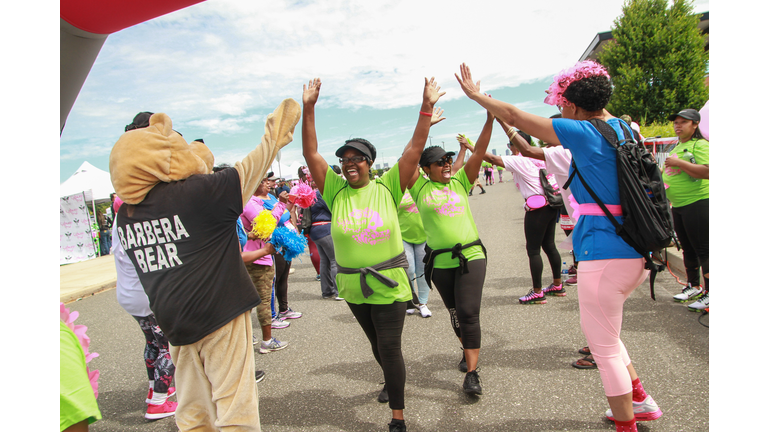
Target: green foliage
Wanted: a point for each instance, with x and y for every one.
(664, 130)
(657, 60)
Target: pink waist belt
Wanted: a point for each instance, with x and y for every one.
(592, 209)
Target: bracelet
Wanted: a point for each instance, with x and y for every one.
(511, 129)
(425, 114)
(512, 136)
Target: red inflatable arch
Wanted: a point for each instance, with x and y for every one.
(85, 25)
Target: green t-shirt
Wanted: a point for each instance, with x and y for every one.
(411, 227)
(681, 190)
(365, 231)
(76, 399)
(447, 219)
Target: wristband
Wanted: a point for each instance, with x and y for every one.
(425, 114)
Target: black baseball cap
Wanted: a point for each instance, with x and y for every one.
(433, 154)
(359, 144)
(688, 113)
(271, 176)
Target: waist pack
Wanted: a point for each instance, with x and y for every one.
(647, 223)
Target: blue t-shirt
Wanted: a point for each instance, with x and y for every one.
(320, 213)
(594, 237)
(242, 237)
(270, 202)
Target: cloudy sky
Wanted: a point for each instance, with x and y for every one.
(219, 67)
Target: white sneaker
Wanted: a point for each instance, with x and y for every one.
(425, 312)
(689, 293)
(272, 345)
(646, 410)
(410, 311)
(700, 304)
(291, 270)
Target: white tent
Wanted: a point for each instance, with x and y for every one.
(88, 177)
(288, 172)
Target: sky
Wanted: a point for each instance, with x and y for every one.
(220, 67)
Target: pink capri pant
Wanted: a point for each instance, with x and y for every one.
(604, 285)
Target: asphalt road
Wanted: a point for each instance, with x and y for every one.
(327, 379)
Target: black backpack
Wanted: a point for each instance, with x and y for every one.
(553, 196)
(647, 223)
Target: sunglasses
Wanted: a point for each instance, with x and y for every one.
(446, 160)
(353, 159)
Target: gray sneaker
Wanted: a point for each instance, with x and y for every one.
(689, 293)
(272, 345)
(700, 304)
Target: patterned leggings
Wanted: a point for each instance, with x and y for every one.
(157, 358)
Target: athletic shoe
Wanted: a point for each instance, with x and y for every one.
(397, 427)
(555, 290)
(317, 278)
(155, 412)
(700, 304)
(277, 323)
(289, 314)
(533, 298)
(571, 280)
(425, 312)
(472, 383)
(482, 192)
(337, 298)
(689, 293)
(272, 345)
(572, 270)
(260, 375)
(470, 194)
(383, 395)
(463, 363)
(171, 392)
(291, 270)
(646, 410)
(410, 311)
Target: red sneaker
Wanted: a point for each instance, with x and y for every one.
(171, 392)
(155, 412)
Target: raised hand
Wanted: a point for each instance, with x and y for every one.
(311, 92)
(431, 91)
(469, 87)
(437, 116)
(462, 140)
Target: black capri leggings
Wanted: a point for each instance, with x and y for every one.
(383, 324)
(692, 228)
(461, 294)
(539, 226)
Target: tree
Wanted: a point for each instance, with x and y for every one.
(657, 60)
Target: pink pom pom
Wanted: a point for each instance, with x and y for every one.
(305, 195)
(577, 72)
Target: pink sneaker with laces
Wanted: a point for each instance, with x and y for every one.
(155, 412)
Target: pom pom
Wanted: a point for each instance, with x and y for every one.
(288, 243)
(305, 195)
(264, 224)
(307, 174)
(563, 79)
(79, 331)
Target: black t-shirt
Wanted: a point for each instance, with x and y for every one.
(183, 243)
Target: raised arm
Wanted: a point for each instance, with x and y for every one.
(409, 161)
(317, 165)
(520, 144)
(459, 162)
(540, 127)
(476, 160)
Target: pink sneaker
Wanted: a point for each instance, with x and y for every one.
(533, 298)
(155, 412)
(171, 392)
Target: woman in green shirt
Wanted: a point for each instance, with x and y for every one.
(366, 236)
(456, 258)
(686, 177)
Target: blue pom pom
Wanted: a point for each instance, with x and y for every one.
(288, 243)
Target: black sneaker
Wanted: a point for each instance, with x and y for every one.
(397, 426)
(260, 376)
(384, 396)
(472, 383)
(463, 363)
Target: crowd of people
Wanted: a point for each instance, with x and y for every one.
(380, 243)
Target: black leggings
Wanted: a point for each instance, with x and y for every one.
(461, 294)
(539, 228)
(383, 324)
(157, 357)
(692, 228)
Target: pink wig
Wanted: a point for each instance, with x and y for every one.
(563, 79)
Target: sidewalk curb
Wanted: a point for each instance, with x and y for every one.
(86, 291)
